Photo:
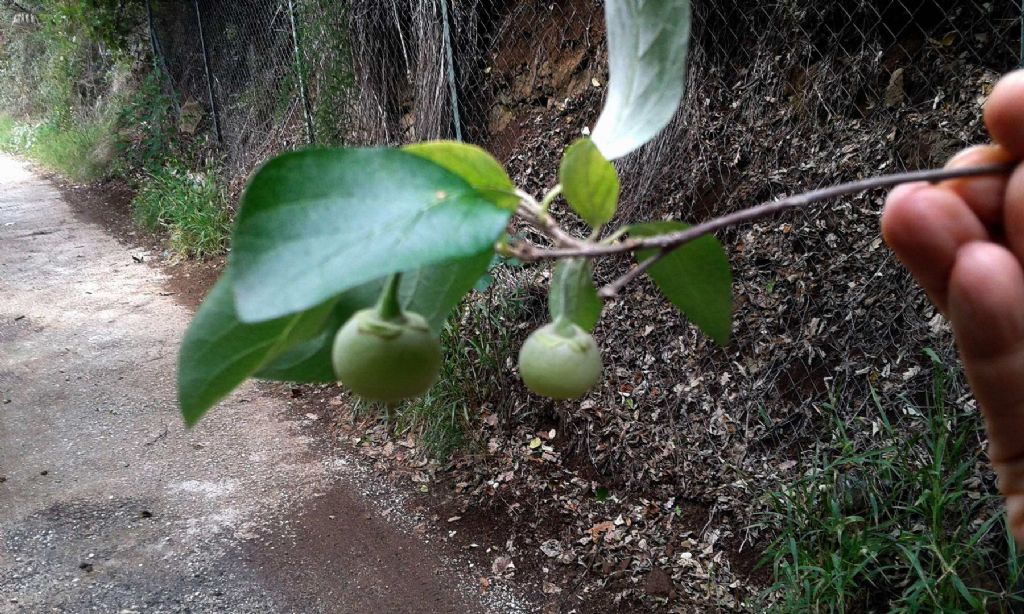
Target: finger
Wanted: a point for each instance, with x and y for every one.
(1013, 212)
(984, 195)
(986, 310)
(1015, 516)
(1004, 113)
(926, 226)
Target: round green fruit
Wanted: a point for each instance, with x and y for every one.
(560, 361)
(386, 360)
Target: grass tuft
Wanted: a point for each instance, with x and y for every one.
(80, 153)
(479, 348)
(897, 523)
(189, 206)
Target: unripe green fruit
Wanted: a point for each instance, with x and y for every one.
(386, 360)
(560, 361)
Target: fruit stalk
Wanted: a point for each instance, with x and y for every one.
(389, 306)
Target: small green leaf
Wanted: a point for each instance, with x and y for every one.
(477, 167)
(316, 223)
(590, 183)
(219, 352)
(696, 278)
(535, 443)
(573, 294)
(647, 46)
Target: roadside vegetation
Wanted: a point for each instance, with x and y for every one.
(892, 515)
(76, 101)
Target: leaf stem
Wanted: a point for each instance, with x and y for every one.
(533, 213)
(549, 198)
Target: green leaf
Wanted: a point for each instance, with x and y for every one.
(432, 292)
(589, 183)
(647, 46)
(219, 352)
(477, 167)
(314, 224)
(310, 362)
(573, 294)
(696, 278)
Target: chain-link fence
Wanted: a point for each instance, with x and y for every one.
(261, 76)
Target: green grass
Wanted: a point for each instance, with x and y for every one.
(898, 521)
(190, 207)
(81, 154)
(15, 137)
(8, 142)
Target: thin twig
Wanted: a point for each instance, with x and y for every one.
(667, 243)
(614, 288)
(673, 240)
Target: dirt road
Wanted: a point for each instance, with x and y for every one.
(108, 505)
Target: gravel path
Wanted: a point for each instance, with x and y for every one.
(108, 505)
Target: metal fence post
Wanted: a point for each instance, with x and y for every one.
(1022, 33)
(310, 133)
(209, 77)
(453, 89)
(158, 58)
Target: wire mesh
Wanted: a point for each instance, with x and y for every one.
(396, 71)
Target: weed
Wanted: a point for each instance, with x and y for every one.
(15, 137)
(897, 523)
(189, 206)
(479, 351)
(80, 153)
(147, 127)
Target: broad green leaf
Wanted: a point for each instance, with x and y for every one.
(590, 183)
(432, 292)
(219, 352)
(310, 362)
(647, 46)
(307, 363)
(477, 167)
(696, 278)
(573, 294)
(314, 224)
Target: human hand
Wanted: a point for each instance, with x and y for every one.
(963, 241)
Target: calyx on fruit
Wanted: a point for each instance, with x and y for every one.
(560, 361)
(387, 354)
